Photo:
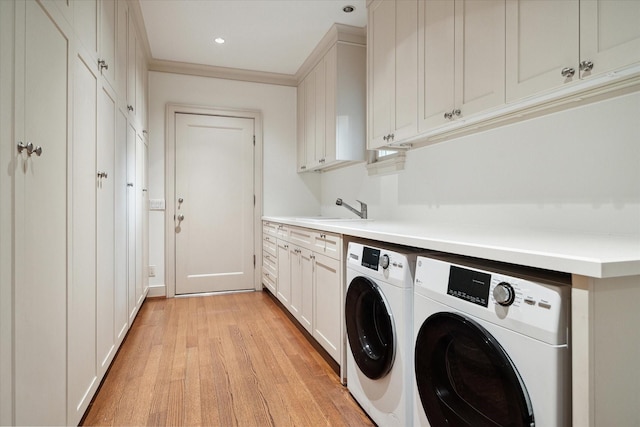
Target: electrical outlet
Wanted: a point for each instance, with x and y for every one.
(152, 271)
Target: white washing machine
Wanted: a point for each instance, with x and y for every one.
(491, 348)
(378, 318)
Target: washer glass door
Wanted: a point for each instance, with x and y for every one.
(370, 328)
(465, 378)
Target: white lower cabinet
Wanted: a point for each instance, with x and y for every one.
(304, 271)
(327, 304)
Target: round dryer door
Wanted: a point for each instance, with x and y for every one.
(370, 328)
(465, 378)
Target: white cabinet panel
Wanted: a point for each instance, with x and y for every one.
(86, 25)
(609, 34)
(40, 221)
(461, 59)
(284, 273)
(121, 317)
(328, 305)
(108, 26)
(392, 72)
(542, 40)
(81, 329)
(105, 230)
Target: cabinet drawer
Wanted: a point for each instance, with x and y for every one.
(302, 237)
(283, 232)
(328, 244)
(270, 264)
(270, 228)
(269, 280)
(269, 244)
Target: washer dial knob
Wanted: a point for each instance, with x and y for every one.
(384, 261)
(504, 294)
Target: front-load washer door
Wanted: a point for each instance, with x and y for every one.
(370, 328)
(465, 378)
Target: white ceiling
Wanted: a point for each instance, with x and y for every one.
(274, 36)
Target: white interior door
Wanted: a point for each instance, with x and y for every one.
(215, 199)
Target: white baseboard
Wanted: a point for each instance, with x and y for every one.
(157, 291)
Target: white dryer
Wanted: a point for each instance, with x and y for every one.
(491, 348)
(378, 317)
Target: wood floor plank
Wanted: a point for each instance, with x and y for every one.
(223, 360)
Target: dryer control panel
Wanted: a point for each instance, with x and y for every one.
(535, 309)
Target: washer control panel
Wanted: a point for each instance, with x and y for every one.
(380, 263)
(510, 301)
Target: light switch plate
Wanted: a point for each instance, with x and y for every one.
(156, 204)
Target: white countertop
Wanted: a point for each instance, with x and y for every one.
(593, 255)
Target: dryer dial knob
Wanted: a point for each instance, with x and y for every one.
(504, 294)
(384, 261)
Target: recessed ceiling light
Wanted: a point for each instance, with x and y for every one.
(219, 40)
(348, 9)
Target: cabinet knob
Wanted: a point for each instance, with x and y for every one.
(103, 64)
(448, 116)
(586, 65)
(180, 217)
(568, 72)
(102, 174)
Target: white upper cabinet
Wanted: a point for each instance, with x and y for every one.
(392, 72)
(609, 35)
(86, 24)
(331, 104)
(108, 26)
(580, 39)
(461, 60)
(542, 45)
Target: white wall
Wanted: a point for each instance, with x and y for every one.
(574, 170)
(284, 191)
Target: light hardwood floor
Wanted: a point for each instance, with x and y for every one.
(224, 360)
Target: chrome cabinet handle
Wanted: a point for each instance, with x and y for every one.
(181, 217)
(129, 184)
(456, 112)
(567, 72)
(129, 107)
(103, 64)
(102, 174)
(448, 116)
(30, 149)
(586, 65)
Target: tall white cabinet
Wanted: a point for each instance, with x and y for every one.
(74, 205)
(40, 221)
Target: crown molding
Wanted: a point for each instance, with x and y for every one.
(338, 33)
(221, 72)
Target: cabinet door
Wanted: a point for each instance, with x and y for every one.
(328, 151)
(306, 285)
(320, 112)
(609, 34)
(542, 41)
(301, 151)
(132, 64)
(295, 303)
(122, 34)
(132, 191)
(328, 304)
(81, 310)
(479, 55)
(120, 231)
(284, 273)
(381, 71)
(40, 219)
(405, 117)
(86, 25)
(310, 119)
(107, 51)
(436, 62)
(105, 225)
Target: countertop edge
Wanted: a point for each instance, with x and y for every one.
(600, 264)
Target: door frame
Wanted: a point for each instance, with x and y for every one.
(170, 190)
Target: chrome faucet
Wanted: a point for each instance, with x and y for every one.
(362, 213)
